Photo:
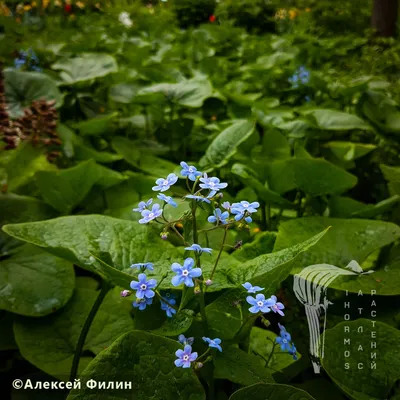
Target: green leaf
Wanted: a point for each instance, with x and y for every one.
(337, 120)
(348, 151)
(65, 189)
(20, 209)
(35, 283)
(7, 341)
(145, 360)
(263, 243)
(189, 93)
(100, 125)
(118, 242)
(318, 177)
(49, 343)
(275, 146)
(261, 342)
(347, 240)
(240, 367)
(225, 144)
(22, 88)
(392, 175)
(86, 67)
(22, 163)
(176, 325)
(270, 392)
(249, 178)
(366, 383)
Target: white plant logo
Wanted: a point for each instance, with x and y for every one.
(310, 287)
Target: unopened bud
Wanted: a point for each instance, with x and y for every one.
(164, 235)
(209, 282)
(197, 290)
(125, 293)
(198, 365)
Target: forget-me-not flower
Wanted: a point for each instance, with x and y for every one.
(226, 205)
(189, 171)
(166, 306)
(245, 207)
(212, 183)
(168, 199)
(149, 215)
(185, 357)
(183, 340)
(219, 216)
(143, 287)
(284, 339)
(259, 304)
(198, 249)
(213, 343)
(252, 289)
(143, 205)
(185, 273)
(198, 198)
(276, 307)
(147, 265)
(165, 184)
(141, 304)
(292, 351)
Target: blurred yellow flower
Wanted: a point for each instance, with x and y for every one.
(293, 14)
(45, 3)
(308, 9)
(58, 3)
(4, 10)
(256, 230)
(33, 4)
(281, 14)
(72, 16)
(27, 7)
(80, 4)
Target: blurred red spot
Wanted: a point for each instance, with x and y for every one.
(212, 18)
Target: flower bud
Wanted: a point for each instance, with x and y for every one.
(125, 293)
(198, 365)
(197, 290)
(164, 235)
(208, 282)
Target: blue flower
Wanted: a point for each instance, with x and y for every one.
(168, 199)
(150, 215)
(164, 184)
(213, 343)
(218, 216)
(245, 207)
(19, 62)
(276, 307)
(302, 75)
(198, 249)
(292, 351)
(185, 273)
(197, 198)
(143, 266)
(284, 333)
(212, 183)
(252, 289)
(189, 171)
(185, 357)
(259, 304)
(166, 306)
(141, 304)
(143, 205)
(284, 340)
(144, 286)
(182, 339)
(226, 205)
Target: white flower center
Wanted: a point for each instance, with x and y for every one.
(245, 205)
(151, 215)
(185, 272)
(191, 169)
(260, 303)
(165, 183)
(185, 357)
(143, 286)
(212, 184)
(284, 341)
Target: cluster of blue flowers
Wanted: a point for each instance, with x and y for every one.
(301, 76)
(190, 273)
(28, 59)
(285, 341)
(186, 356)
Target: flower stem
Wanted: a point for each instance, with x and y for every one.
(272, 353)
(220, 252)
(105, 287)
(182, 238)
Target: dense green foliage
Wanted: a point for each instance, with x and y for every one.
(273, 98)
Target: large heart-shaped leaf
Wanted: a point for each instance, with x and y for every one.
(34, 282)
(354, 374)
(347, 240)
(86, 67)
(50, 342)
(262, 391)
(144, 360)
(22, 88)
(225, 144)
